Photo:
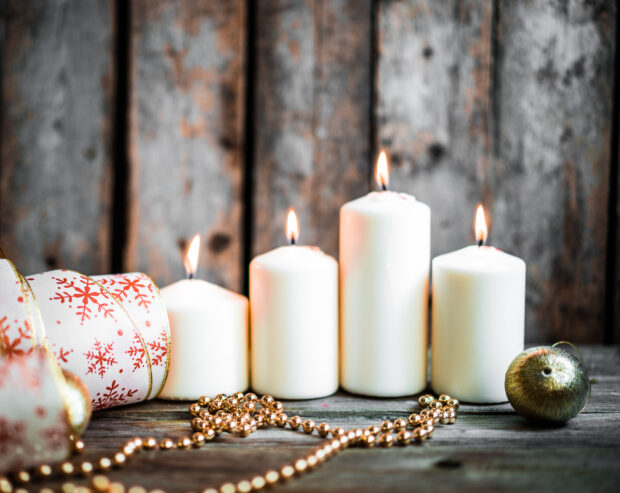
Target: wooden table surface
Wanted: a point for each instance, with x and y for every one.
(490, 448)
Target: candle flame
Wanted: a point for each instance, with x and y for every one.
(191, 257)
(292, 227)
(480, 226)
(383, 174)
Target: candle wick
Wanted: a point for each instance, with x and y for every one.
(190, 275)
(292, 240)
(480, 242)
(383, 187)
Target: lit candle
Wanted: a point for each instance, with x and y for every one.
(384, 267)
(294, 314)
(209, 336)
(478, 319)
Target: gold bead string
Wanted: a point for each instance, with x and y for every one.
(241, 415)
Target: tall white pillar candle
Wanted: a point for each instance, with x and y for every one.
(209, 337)
(384, 269)
(477, 320)
(294, 321)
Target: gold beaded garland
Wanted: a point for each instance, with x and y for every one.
(239, 414)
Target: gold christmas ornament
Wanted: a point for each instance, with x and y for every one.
(547, 384)
(77, 400)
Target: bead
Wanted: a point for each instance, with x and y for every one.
(267, 400)
(301, 465)
(452, 420)
(320, 455)
(258, 483)
(272, 477)
(400, 424)
(136, 489)
(166, 444)
(120, 458)
(271, 419)
(309, 426)
(129, 448)
(210, 490)
(328, 450)
(370, 441)
(323, 429)
(282, 420)
(238, 395)
(104, 463)
(386, 440)
(5, 485)
(46, 490)
(100, 483)
(350, 435)
(425, 400)
(184, 443)
(204, 400)
(249, 406)
(287, 472)
(387, 426)
(414, 419)
(78, 446)
(374, 429)
(157, 490)
(312, 461)
(116, 488)
(277, 406)
(335, 445)
(404, 437)
(66, 469)
(444, 398)
(419, 434)
(43, 471)
(209, 434)
(338, 431)
(150, 443)
(250, 397)
(21, 490)
(435, 405)
(215, 406)
(68, 488)
(228, 488)
(260, 421)
(138, 442)
(81, 489)
(86, 468)
(244, 486)
(220, 397)
(358, 433)
(204, 414)
(194, 409)
(429, 430)
(444, 417)
(344, 441)
(22, 477)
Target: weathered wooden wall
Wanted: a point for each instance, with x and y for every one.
(236, 111)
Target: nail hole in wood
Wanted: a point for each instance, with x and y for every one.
(449, 464)
(218, 242)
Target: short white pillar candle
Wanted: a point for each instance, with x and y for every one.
(209, 337)
(294, 321)
(384, 269)
(477, 319)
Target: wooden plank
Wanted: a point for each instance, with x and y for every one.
(489, 447)
(57, 100)
(186, 137)
(312, 116)
(550, 183)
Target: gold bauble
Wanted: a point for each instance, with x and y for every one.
(77, 402)
(547, 384)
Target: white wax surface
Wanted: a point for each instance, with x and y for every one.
(477, 322)
(384, 269)
(294, 315)
(209, 340)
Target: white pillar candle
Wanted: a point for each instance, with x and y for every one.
(209, 336)
(294, 321)
(477, 320)
(384, 269)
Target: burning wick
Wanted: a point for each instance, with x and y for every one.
(191, 257)
(480, 226)
(382, 175)
(292, 227)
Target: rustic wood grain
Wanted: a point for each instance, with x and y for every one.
(550, 180)
(489, 448)
(57, 96)
(312, 116)
(186, 137)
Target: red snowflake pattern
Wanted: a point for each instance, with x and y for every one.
(12, 347)
(87, 294)
(159, 349)
(62, 355)
(121, 286)
(100, 358)
(12, 438)
(113, 396)
(55, 435)
(137, 352)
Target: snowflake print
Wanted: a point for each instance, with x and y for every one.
(100, 358)
(12, 347)
(87, 294)
(121, 286)
(159, 349)
(113, 396)
(62, 355)
(55, 435)
(137, 352)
